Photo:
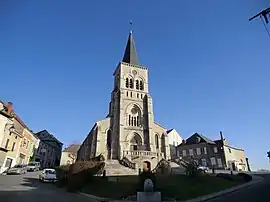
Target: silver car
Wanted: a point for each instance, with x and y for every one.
(48, 174)
(17, 170)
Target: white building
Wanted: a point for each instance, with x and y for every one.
(129, 132)
(174, 139)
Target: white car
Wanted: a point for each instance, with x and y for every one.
(33, 166)
(203, 169)
(48, 174)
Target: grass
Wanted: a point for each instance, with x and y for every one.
(180, 187)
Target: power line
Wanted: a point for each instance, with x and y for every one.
(264, 15)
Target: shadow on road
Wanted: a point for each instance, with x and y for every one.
(27, 188)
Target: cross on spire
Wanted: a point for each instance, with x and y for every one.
(130, 24)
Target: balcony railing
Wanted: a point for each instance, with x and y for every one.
(142, 153)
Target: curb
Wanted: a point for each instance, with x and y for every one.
(97, 198)
(223, 192)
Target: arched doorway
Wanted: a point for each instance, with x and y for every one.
(136, 142)
(146, 166)
(109, 144)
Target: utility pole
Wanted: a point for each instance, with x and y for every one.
(265, 14)
(268, 155)
(265, 17)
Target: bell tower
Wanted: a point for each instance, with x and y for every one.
(131, 108)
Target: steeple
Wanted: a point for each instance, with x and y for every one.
(130, 55)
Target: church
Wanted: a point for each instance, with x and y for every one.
(128, 138)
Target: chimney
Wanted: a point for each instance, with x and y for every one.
(221, 135)
(10, 107)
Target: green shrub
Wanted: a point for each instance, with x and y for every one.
(191, 168)
(81, 173)
(62, 175)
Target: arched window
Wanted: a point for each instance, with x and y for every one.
(131, 83)
(163, 143)
(137, 84)
(134, 116)
(141, 85)
(127, 82)
(136, 142)
(157, 143)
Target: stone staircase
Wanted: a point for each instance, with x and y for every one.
(114, 168)
(177, 169)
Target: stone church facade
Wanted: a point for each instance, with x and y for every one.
(129, 131)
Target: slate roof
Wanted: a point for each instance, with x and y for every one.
(44, 135)
(205, 138)
(168, 131)
(130, 55)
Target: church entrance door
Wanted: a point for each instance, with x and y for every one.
(146, 166)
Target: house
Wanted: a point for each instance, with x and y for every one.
(15, 137)
(28, 146)
(49, 150)
(10, 136)
(216, 154)
(69, 155)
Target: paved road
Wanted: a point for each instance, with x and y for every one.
(27, 188)
(256, 193)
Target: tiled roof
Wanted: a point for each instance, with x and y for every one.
(16, 115)
(20, 121)
(72, 148)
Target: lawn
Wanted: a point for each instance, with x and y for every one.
(180, 187)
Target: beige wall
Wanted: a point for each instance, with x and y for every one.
(3, 122)
(28, 143)
(8, 138)
(67, 158)
(237, 156)
(12, 139)
(2, 159)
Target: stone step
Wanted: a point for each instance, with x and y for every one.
(114, 168)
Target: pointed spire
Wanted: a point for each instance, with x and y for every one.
(130, 55)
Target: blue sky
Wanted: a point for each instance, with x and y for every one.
(208, 65)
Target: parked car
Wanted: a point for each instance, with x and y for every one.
(48, 174)
(33, 166)
(203, 169)
(17, 169)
